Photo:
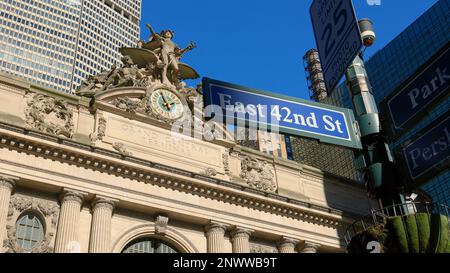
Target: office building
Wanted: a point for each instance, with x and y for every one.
(274, 144)
(328, 158)
(58, 43)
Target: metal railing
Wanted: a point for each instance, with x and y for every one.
(377, 217)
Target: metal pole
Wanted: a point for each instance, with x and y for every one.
(379, 163)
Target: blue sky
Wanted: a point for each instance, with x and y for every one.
(260, 43)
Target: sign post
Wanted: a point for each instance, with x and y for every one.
(337, 36)
(339, 41)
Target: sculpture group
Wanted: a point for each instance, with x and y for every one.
(154, 62)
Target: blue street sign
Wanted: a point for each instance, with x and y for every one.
(422, 91)
(289, 115)
(430, 153)
(337, 36)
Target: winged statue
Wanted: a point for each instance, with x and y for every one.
(156, 61)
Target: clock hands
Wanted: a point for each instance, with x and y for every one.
(167, 104)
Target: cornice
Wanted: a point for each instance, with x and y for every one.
(58, 149)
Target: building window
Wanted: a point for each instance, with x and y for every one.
(29, 231)
(148, 245)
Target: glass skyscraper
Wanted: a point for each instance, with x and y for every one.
(59, 43)
(399, 60)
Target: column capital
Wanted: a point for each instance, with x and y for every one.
(104, 202)
(308, 247)
(239, 232)
(214, 226)
(8, 182)
(72, 195)
(287, 242)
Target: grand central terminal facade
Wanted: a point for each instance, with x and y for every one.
(82, 174)
(102, 172)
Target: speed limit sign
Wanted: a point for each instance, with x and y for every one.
(337, 36)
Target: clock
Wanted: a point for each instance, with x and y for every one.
(166, 104)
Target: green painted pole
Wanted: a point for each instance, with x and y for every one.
(375, 159)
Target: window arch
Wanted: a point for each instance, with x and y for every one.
(29, 231)
(149, 245)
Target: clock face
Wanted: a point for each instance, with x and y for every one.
(166, 104)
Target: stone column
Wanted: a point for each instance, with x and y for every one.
(69, 220)
(309, 247)
(102, 210)
(7, 185)
(287, 245)
(215, 237)
(240, 240)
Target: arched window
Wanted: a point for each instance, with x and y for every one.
(148, 245)
(29, 231)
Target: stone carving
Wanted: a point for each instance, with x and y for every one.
(10, 243)
(127, 75)
(120, 147)
(103, 203)
(127, 104)
(154, 62)
(226, 163)
(262, 249)
(101, 131)
(161, 224)
(258, 174)
(168, 54)
(49, 115)
(7, 182)
(209, 172)
(68, 195)
(21, 204)
(12, 246)
(134, 105)
(309, 247)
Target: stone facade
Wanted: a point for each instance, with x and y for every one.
(99, 176)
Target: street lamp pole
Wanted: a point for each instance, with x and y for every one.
(375, 159)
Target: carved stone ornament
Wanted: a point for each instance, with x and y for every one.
(103, 203)
(7, 182)
(101, 131)
(132, 105)
(12, 247)
(161, 224)
(48, 210)
(209, 172)
(226, 163)
(154, 62)
(49, 115)
(120, 147)
(258, 174)
(262, 249)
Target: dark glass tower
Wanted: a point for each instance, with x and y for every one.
(399, 60)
